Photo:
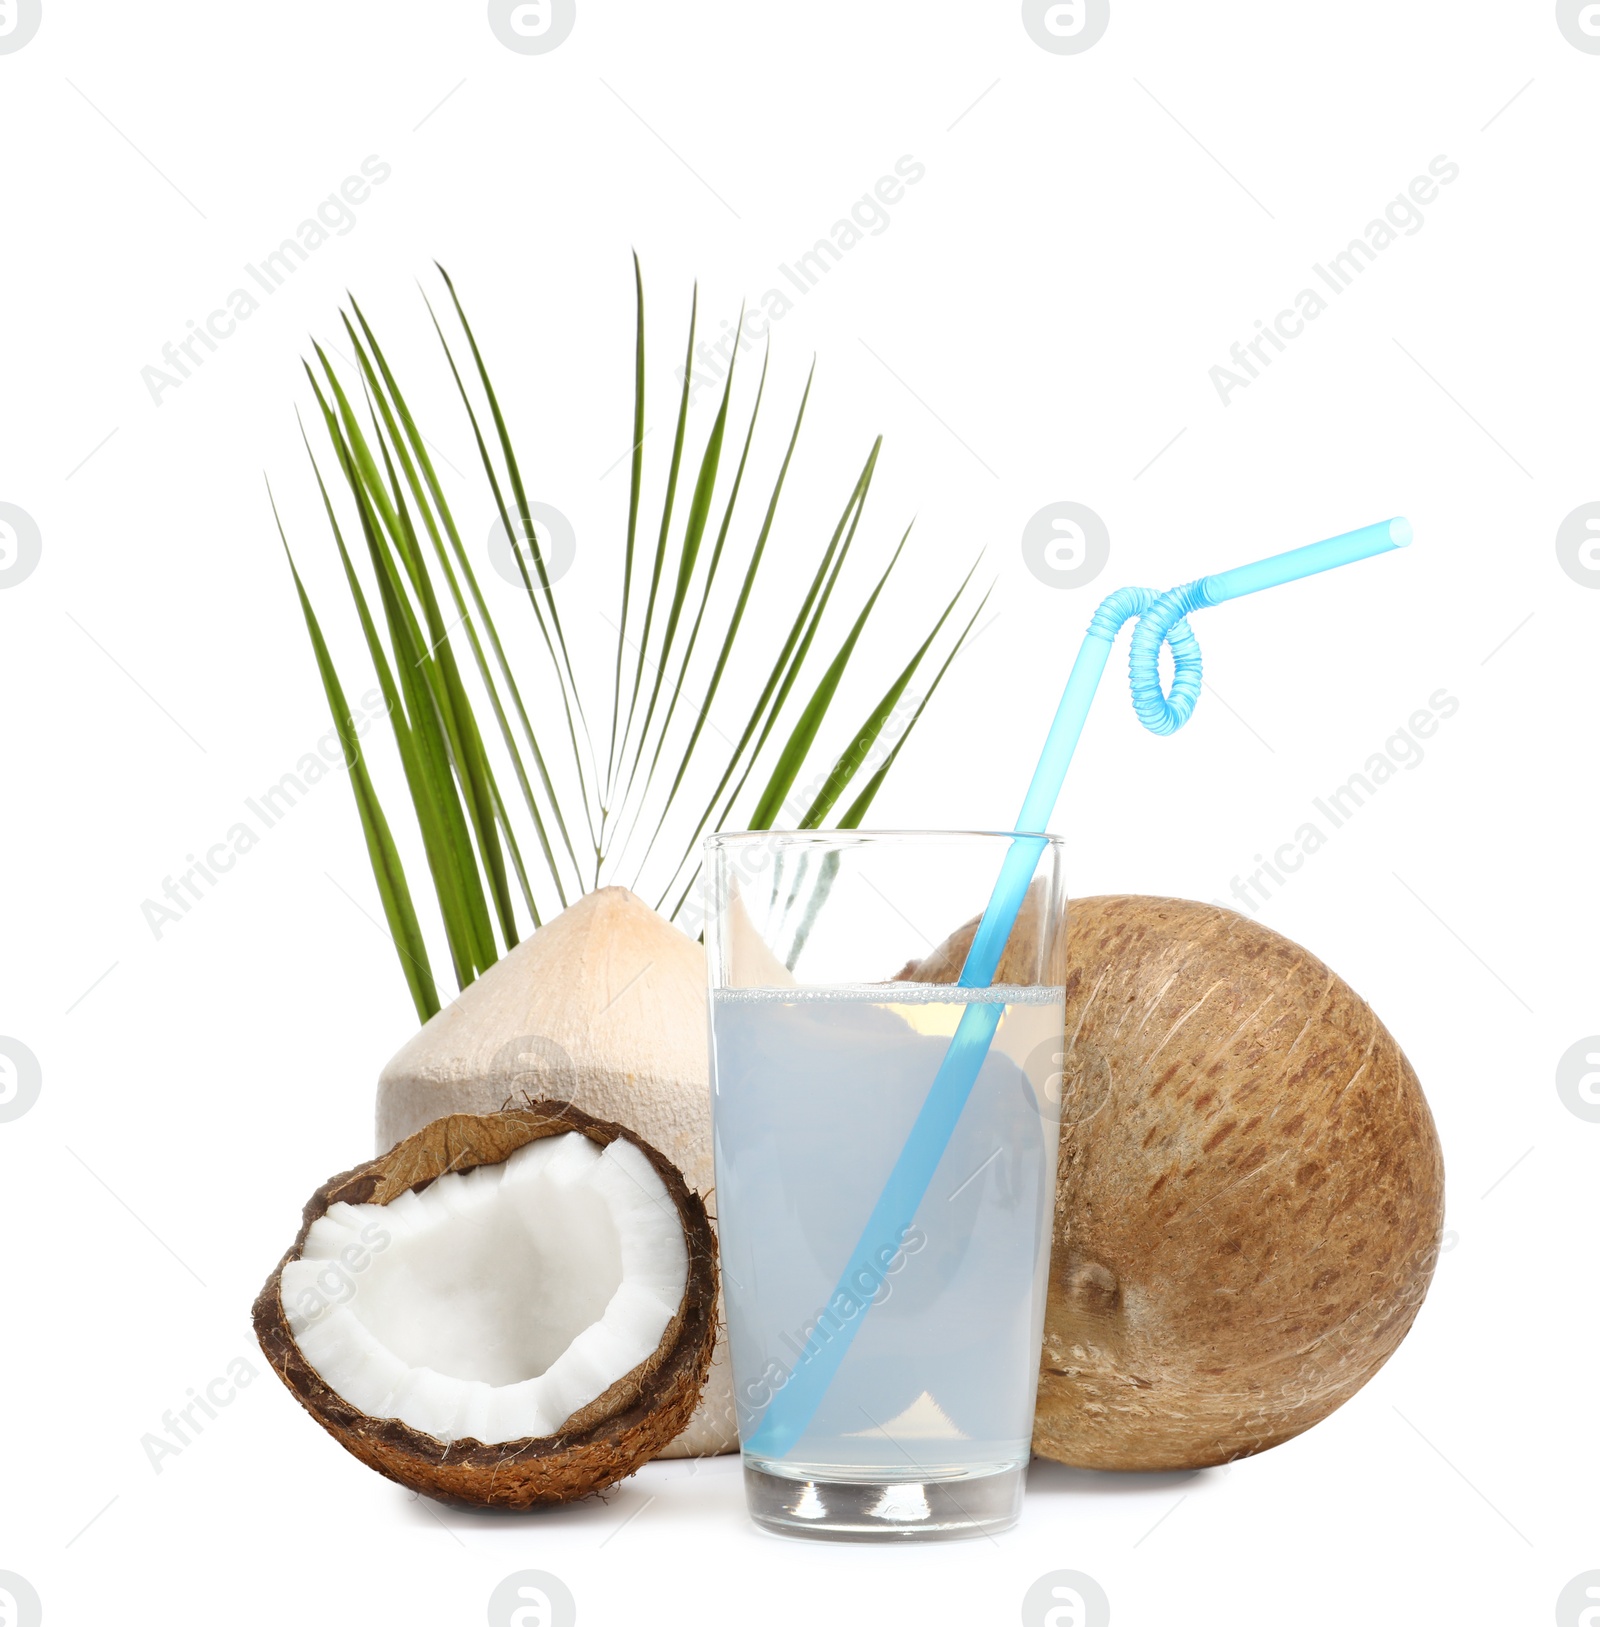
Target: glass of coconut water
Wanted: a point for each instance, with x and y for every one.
(884, 1371)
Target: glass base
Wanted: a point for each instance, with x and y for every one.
(885, 1510)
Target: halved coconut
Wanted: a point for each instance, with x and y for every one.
(505, 1309)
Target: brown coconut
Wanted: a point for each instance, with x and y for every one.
(1250, 1194)
(603, 1007)
(622, 1428)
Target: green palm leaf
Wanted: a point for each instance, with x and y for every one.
(413, 446)
(417, 593)
(634, 486)
(444, 827)
(659, 561)
(386, 868)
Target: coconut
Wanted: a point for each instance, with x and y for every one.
(505, 1310)
(603, 1007)
(1250, 1192)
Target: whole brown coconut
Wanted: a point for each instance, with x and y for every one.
(1250, 1194)
(613, 1435)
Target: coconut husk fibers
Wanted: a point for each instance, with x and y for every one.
(623, 1427)
(1250, 1191)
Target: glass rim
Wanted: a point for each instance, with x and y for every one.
(806, 837)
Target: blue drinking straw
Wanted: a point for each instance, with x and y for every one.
(1161, 621)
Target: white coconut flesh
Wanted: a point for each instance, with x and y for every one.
(496, 1303)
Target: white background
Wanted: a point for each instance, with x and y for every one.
(1035, 325)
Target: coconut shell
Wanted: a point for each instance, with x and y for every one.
(623, 1427)
(1250, 1193)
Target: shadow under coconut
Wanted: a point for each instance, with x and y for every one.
(601, 1512)
(1047, 1479)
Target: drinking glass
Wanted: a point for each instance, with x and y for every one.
(834, 958)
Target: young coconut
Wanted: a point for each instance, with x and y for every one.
(507, 1309)
(1250, 1192)
(603, 1007)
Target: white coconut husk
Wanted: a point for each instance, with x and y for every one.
(603, 1007)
